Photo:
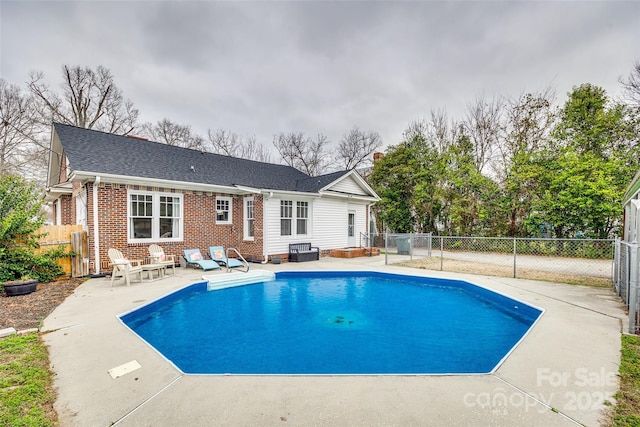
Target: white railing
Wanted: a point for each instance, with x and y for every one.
(365, 243)
(244, 261)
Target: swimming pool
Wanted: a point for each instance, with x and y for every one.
(335, 323)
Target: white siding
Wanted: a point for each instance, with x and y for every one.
(632, 219)
(350, 186)
(272, 227)
(328, 224)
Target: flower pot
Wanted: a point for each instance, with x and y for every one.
(21, 287)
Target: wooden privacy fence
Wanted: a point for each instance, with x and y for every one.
(75, 238)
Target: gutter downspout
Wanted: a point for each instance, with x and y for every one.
(58, 212)
(264, 227)
(96, 234)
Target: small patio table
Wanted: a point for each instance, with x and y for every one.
(150, 268)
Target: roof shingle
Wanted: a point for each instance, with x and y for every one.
(104, 153)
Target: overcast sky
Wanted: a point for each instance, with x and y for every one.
(260, 68)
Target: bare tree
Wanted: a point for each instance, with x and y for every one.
(21, 134)
(416, 129)
(442, 130)
(483, 127)
(89, 99)
(632, 85)
(229, 143)
(528, 122)
(253, 150)
(303, 153)
(356, 147)
(225, 142)
(172, 133)
(438, 132)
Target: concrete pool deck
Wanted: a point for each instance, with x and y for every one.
(558, 376)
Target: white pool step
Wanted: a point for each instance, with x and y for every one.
(237, 278)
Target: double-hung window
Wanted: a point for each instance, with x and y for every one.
(223, 210)
(249, 218)
(141, 216)
(154, 216)
(302, 217)
(169, 216)
(286, 216)
(294, 222)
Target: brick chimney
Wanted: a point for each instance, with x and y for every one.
(377, 156)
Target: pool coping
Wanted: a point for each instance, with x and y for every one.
(555, 360)
(220, 284)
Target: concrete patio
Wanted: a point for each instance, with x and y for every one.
(560, 375)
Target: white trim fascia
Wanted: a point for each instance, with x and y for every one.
(627, 195)
(52, 194)
(334, 182)
(153, 182)
(50, 155)
(65, 187)
(366, 185)
(349, 196)
(358, 178)
(248, 189)
(193, 186)
(275, 193)
(56, 151)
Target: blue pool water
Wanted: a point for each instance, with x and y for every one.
(335, 323)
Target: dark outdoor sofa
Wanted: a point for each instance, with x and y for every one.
(299, 252)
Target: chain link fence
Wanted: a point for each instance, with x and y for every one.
(578, 261)
(594, 262)
(626, 279)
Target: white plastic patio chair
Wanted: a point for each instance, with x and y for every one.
(159, 257)
(124, 268)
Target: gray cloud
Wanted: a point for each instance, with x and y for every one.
(259, 68)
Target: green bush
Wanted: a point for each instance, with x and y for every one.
(20, 217)
(22, 261)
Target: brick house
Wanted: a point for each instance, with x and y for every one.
(129, 192)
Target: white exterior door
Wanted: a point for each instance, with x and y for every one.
(351, 229)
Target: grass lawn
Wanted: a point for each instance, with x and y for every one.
(26, 393)
(627, 410)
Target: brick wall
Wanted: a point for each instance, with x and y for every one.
(67, 210)
(68, 206)
(200, 228)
